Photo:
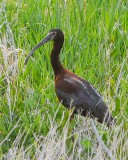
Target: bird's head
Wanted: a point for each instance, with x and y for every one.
(55, 35)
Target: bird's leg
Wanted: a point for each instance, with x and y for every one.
(71, 118)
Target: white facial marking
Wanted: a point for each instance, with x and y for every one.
(54, 34)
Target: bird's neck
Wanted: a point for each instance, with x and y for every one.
(55, 61)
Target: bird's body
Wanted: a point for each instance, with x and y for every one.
(72, 90)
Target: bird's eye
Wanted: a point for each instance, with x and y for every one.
(54, 33)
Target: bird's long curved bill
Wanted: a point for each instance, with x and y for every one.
(46, 39)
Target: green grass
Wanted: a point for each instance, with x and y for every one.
(95, 48)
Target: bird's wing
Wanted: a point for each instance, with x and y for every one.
(79, 93)
(75, 92)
